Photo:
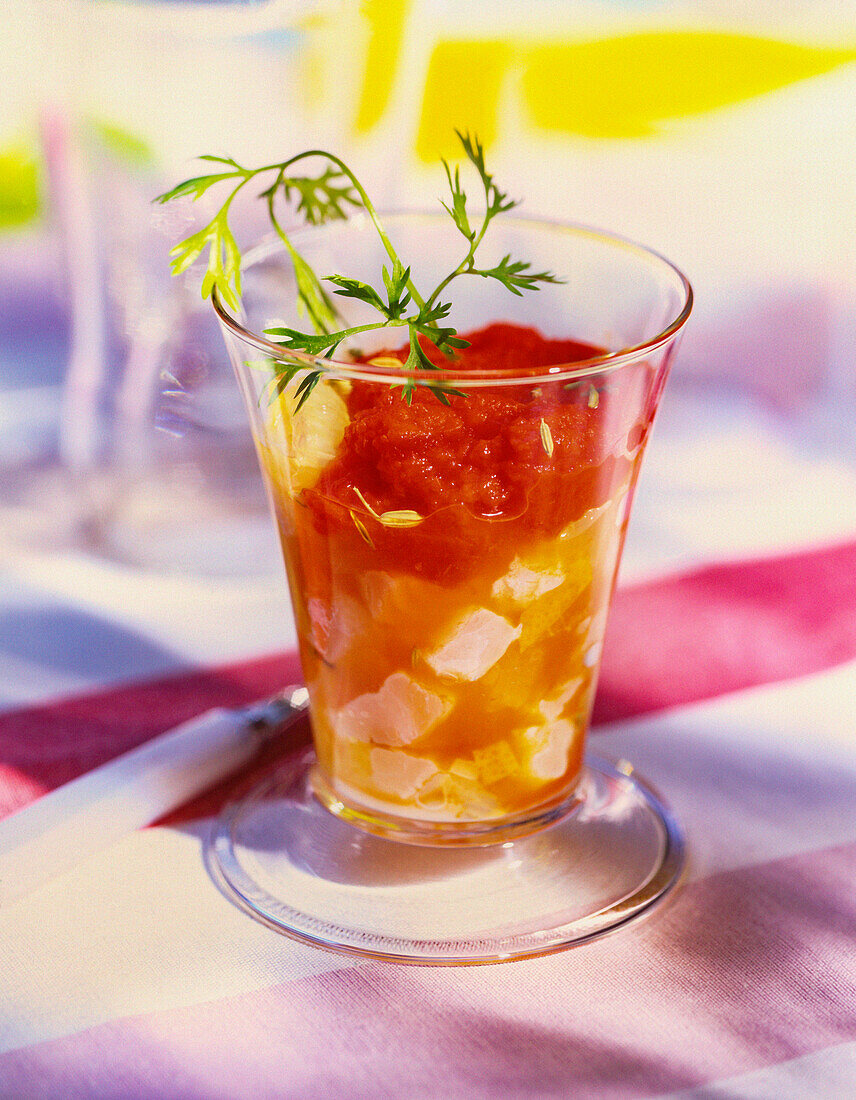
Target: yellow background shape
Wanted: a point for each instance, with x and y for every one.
(461, 95)
(625, 86)
(20, 190)
(617, 87)
(386, 21)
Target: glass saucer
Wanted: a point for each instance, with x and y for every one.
(292, 865)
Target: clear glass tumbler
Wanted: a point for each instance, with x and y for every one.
(451, 561)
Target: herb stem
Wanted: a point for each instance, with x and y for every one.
(318, 304)
(367, 204)
(324, 198)
(467, 265)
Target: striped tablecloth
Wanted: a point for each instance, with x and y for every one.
(729, 680)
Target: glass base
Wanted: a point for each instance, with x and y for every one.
(434, 833)
(297, 868)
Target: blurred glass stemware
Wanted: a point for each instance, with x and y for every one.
(145, 455)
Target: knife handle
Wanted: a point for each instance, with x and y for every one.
(91, 812)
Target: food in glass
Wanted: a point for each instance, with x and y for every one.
(451, 510)
(451, 478)
(451, 566)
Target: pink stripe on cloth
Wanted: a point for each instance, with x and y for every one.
(686, 638)
(44, 746)
(671, 641)
(745, 969)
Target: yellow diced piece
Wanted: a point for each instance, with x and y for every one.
(495, 762)
(442, 793)
(547, 614)
(464, 768)
(300, 445)
(351, 761)
(578, 575)
(458, 797)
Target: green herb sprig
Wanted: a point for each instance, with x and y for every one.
(329, 196)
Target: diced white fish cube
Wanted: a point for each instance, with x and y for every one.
(550, 759)
(398, 774)
(523, 584)
(450, 795)
(390, 597)
(320, 620)
(402, 711)
(474, 645)
(552, 708)
(378, 588)
(348, 623)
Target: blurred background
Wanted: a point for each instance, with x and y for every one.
(721, 134)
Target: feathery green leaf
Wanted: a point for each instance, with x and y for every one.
(331, 195)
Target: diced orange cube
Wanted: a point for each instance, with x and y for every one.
(495, 762)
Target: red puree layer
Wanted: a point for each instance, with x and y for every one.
(482, 457)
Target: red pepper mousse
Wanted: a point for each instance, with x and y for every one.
(451, 563)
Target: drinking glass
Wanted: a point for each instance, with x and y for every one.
(129, 440)
(451, 561)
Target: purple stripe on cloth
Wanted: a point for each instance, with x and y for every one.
(744, 969)
(682, 639)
